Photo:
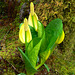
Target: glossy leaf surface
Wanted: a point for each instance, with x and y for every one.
(52, 32)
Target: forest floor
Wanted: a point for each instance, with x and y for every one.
(62, 60)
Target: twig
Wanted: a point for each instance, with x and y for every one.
(5, 61)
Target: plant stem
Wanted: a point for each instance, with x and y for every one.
(37, 67)
(33, 21)
(25, 39)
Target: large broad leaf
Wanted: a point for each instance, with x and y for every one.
(29, 67)
(52, 32)
(33, 50)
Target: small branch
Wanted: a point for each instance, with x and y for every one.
(5, 61)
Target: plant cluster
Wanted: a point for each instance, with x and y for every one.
(39, 41)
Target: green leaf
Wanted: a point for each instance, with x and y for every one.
(52, 32)
(42, 43)
(29, 67)
(20, 25)
(46, 67)
(21, 74)
(33, 32)
(40, 29)
(33, 50)
(41, 34)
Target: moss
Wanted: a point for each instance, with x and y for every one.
(61, 62)
(63, 56)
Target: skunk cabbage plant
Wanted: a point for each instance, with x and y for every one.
(39, 41)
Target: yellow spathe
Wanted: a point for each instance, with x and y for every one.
(22, 34)
(35, 20)
(59, 40)
(47, 55)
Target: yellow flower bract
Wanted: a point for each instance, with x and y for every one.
(59, 40)
(22, 34)
(35, 20)
(47, 55)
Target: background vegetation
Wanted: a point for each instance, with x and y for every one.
(12, 13)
